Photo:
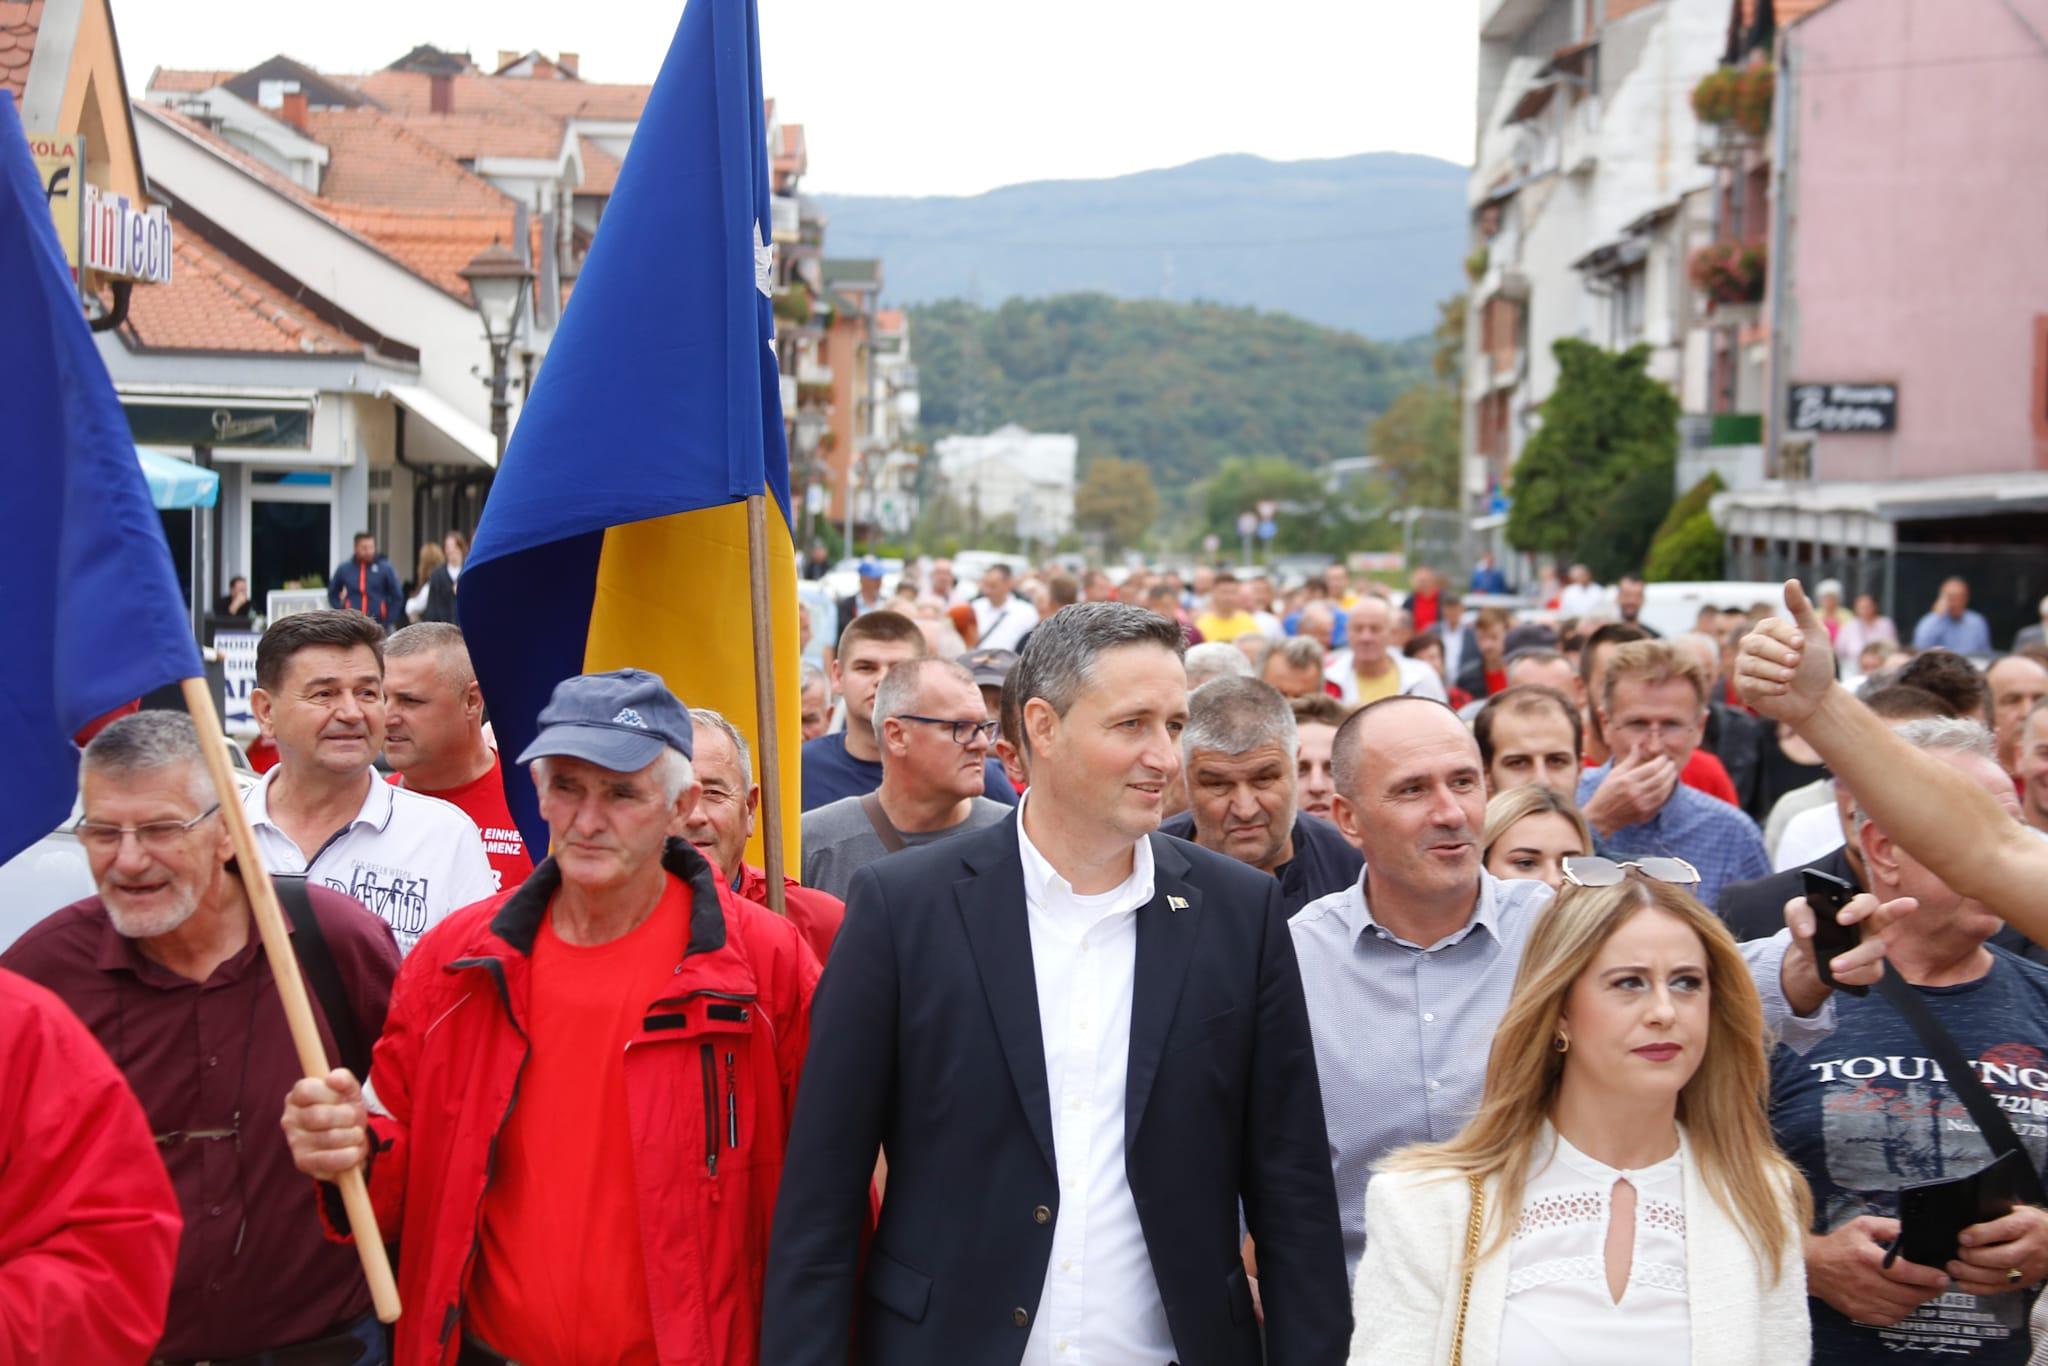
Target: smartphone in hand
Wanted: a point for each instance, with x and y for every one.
(1828, 894)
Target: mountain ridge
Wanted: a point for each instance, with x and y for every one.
(1365, 243)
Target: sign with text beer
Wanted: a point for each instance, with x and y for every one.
(1843, 408)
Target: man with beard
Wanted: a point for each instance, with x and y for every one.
(164, 966)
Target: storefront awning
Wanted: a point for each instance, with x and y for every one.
(442, 434)
(175, 483)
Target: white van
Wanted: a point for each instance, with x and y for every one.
(1671, 608)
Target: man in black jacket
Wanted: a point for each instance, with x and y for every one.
(1085, 1048)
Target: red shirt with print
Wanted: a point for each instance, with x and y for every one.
(483, 801)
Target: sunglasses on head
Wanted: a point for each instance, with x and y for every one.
(1593, 871)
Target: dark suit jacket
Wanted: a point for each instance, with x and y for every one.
(440, 596)
(1756, 909)
(925, 1040)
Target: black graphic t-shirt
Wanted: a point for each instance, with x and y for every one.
(1865, 1112)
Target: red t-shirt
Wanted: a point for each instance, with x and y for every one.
(1707, 773)
(562, 1277)
(483, 801)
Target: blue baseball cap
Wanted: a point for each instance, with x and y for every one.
(621, 720)
(870, 569)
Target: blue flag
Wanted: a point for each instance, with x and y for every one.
(92, 618)
(614, 535)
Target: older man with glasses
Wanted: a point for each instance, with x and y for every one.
(165, 969)
(934, 735)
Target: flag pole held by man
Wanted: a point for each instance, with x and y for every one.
(616, 534)
(95, 620)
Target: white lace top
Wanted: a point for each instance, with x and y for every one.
(1559, 1311)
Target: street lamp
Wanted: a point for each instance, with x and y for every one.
(499, 282)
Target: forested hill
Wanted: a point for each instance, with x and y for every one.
(1366, 242)
(1178, 386)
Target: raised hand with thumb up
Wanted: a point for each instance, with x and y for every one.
(1785, 668)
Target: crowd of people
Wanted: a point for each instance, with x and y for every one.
(1177, 969)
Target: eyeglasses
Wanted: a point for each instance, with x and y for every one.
(1637, 730)
(157, 835)
(963, 731)
(1593, 871)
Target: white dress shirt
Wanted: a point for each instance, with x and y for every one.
(1100, 1305)
(1559, 1310)
(1002, 628)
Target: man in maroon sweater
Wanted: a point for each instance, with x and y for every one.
(166, 970)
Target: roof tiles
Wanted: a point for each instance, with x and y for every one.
(19, 24)
(211, 304)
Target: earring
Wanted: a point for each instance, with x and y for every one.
(1561, 1041)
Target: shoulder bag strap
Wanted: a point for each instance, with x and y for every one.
(889, 835)
(316, 960)
(1984, 1112)
(1474, 1223)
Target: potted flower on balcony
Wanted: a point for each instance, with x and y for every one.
(1730, 272)
(1736, 100)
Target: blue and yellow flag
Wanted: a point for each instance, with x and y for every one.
(615, 534)
(92, 618)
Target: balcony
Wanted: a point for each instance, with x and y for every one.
(811, 374)
(1733, 105)
(786, 219)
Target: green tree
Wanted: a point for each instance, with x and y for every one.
(1417, 442)
(1694, 551)
(1244, 481)
(1116, 500)
(1606, 420)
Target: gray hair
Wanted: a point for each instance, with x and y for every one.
(809, 674)
(145, 742)
(1215, 659)
(706, 719)
(441, 638)
(1939, 735)
(900, 686)
(1236, 716)
(671, 769)
(1299, 652)
(1059, 659)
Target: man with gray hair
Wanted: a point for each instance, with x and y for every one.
(934, 735)
(1295, 667)
(434, 739)
(577, 1114)
(1239, 751)
(723, 821)
(165, 967)
(1215, 659)
(1084, 1048)
(1857, 1156)
(814, 693)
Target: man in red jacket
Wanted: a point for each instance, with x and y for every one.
(575, 1119)
(88, 1222)
(723, 822)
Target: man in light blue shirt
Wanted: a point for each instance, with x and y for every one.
(1952, 625)
(1408, 972)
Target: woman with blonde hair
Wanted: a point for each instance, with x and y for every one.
(1530, 832)
(1617, 1197)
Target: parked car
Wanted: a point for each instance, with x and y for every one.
(1672, 608)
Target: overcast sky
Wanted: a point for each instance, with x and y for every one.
(948, 96)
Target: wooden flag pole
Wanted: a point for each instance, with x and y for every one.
(767, 742)
(291, 986)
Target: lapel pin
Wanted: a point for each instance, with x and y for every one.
(1174, 903)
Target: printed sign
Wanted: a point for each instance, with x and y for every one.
(60, 169)
(280, 603)
(1844, 408)
(238, 663)
(126, 240)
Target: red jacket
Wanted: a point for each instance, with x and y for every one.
(446, 1074)
(88, 1221)
(815, 914)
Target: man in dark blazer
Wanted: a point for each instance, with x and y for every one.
(1083, 1047)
